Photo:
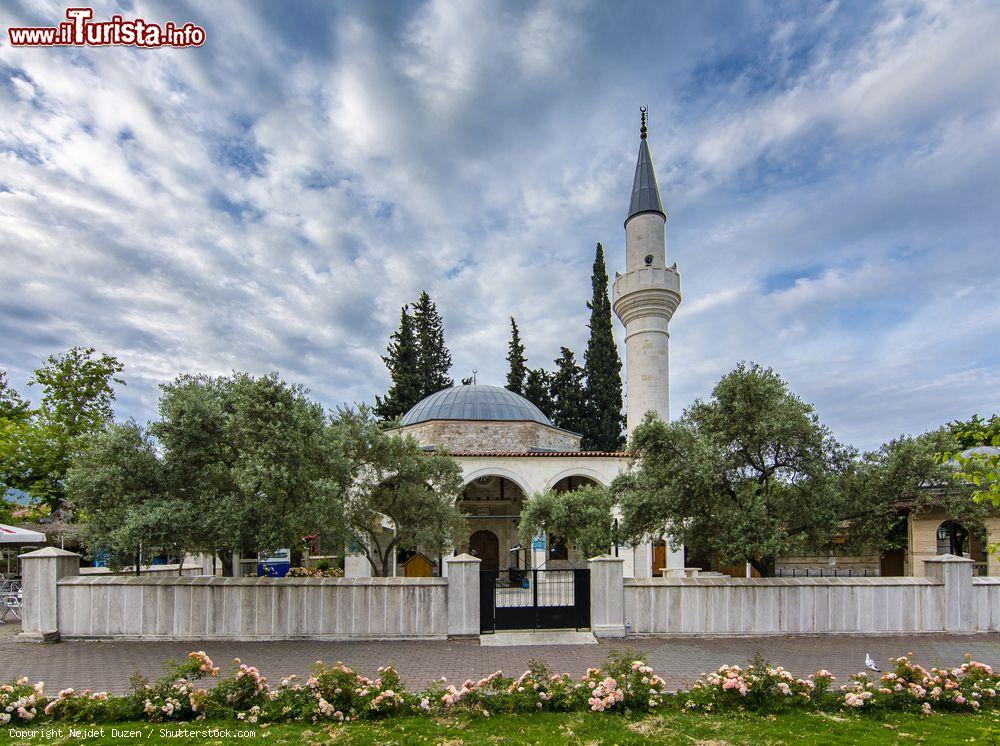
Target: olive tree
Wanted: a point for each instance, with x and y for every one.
(400, 496)
(582, 516)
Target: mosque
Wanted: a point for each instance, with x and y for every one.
(508, 449)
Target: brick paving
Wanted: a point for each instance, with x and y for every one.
(108, 665)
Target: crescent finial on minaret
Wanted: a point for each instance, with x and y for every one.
(642, 130)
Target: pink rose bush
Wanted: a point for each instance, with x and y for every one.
(759, 687)
(20, 701)
(624, 684)
(173, 697)
(967, 688)
(537, 689)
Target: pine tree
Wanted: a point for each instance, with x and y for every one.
(569, 404)
(433, 359)
(536, 390)
(603, 368)
(515, 357)
(402, 360)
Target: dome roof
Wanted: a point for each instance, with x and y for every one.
(475, 402)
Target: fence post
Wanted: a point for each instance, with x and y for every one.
(959, 612)
(463, 596)
(41, 571)
(607, 596)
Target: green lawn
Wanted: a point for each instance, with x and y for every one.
(551, 728)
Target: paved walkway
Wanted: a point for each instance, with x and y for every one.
(108, 665)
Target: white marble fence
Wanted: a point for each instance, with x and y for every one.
(61, 603)
(58, 602)
(947, 600)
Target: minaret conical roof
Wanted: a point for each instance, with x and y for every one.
(645, 193)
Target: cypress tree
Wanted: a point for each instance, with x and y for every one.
(603, 368)
(401, 360)
(537, 390)
(433, 358)
(569, 404)
(515, 357)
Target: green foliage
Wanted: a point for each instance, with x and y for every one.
(417, 359)
(517, 368)
(259, 452)
(401, 497)
(747, 475)
(602, 429)
(12, 407)
(37, 444)
(555, 728)
(905, 472)
(121, 485)
(758, 688)
(77, 389)
(977, 455)
(752, 474)
(625, 684)
(402, 361)
(536, 689)
(582, 516)
(569, 405)
(538, 390)
(433, 358)
(233, 463)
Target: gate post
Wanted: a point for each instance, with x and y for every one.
(463, 596)
(959, 611)
(41, 572)
(607, 596)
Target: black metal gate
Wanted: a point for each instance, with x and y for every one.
(534, 599)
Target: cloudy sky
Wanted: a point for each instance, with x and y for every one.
(269, 200)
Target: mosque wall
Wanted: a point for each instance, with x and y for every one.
(492, 436)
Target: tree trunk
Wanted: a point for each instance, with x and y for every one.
(764, 565)
(226, 558)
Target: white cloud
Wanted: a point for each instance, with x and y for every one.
(219, 208)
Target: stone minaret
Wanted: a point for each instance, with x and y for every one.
(646, 296)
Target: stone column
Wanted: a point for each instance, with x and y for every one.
(607, 597)
(463, 596)
(41, 571)
(959, 612)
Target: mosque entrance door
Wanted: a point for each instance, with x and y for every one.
(486, 546)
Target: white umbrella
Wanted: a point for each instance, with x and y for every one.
(15, 535)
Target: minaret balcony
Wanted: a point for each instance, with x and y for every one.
(647, 291)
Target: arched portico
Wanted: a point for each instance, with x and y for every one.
(492, 500)
(585, 473)
(498, 471)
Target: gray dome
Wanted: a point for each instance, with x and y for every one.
(475, 402)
